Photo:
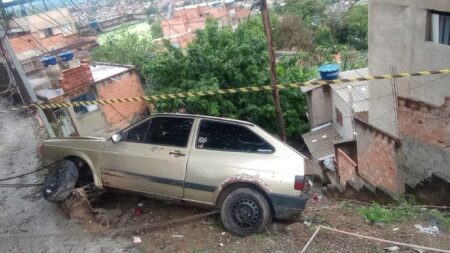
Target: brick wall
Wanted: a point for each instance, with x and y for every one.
(377, 158)
(127, 85)
(424, 131)
(425, 122)
(346, 167)
(76, 77)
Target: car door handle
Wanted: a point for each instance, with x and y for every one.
(176, 153)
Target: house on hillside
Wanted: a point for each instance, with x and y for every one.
(49, 32)
(402, 143)
(86, 82)
(331, 111)
(181, 26)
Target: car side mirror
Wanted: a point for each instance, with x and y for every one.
(116, 137)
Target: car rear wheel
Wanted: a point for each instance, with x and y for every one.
(61, 181)
(245, 211)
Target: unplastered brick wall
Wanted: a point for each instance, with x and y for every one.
(377, 157)
(425, 122)
(122, 85)
(76, 77)
(424, 131)
(347, 168)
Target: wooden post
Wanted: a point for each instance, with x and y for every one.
(273, 73)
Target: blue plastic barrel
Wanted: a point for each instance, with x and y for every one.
(329, 71)
(48, 60)
(66, 55)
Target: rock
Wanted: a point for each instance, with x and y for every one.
(379, 224)
(221, 244)
(392, 249)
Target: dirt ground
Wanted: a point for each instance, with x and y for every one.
(24, 211)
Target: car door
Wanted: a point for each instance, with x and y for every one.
(151, 157)
(223, 150)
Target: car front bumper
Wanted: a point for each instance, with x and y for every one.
(286, 206)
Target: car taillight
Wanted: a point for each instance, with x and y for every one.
(299, 183)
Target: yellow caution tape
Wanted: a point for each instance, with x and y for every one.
(153, 98)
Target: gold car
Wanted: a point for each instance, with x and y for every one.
(231, 165)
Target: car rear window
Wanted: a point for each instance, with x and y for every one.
(230, 137)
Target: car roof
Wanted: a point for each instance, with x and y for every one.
(204, 117)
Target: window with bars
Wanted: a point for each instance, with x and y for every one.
(83, 109)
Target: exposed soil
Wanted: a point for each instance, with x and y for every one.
(24, 211)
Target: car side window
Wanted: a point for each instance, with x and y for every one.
(137, 133)
(169, 131)
(230, 137)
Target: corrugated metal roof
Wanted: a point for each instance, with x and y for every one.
(355, 92)
(321, 142)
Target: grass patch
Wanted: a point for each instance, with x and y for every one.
(259, 237)
(403, 209)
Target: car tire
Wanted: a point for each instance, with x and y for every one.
(245, 211)
(61, 181)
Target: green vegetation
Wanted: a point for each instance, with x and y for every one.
(223, 58)
(403, 210)
(220, 58)
(125, 47)
(156, 30)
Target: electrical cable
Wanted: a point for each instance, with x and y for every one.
(28, 173)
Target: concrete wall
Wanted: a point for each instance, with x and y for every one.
(425, 135)
(90, 123)
(377, 157)
(124, 85)
(319, 106)
(398, 37)
(346, 130)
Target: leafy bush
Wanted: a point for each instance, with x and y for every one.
(221, 58)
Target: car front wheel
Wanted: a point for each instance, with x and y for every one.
(61, 181)
(245, 211)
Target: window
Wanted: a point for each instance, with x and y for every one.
(137, 133)
(339, 118)
(161, 131)
(439, 27)
(83, 109)
(48, 32)
(169, 131)
(230, 137)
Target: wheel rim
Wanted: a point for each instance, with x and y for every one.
(245, 213)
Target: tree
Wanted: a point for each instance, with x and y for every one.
(125, 47)
(312, 12)
(222, 58)
(291, 33)
(353, 29)
(156, 30)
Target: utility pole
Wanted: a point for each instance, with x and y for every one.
(273, 73)
(7, 46)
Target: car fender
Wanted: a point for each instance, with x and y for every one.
(244, 178)
(95, 172)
